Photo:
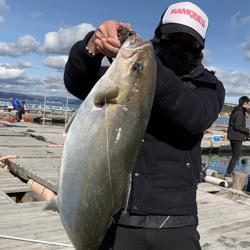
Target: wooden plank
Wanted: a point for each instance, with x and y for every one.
(28, 221)
(53, 138)
(16, 141)
(47, 162)
(13, 125)
(221, 219)
(11, 184)
(36, 152)
(9, 133)
(37, 128)
(32, 168)
(224, 218)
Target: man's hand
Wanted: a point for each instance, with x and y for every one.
(105, 39)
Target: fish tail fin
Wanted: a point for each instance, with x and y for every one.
(51, 205)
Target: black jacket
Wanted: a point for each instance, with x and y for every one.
(168, 166)
(237, 130)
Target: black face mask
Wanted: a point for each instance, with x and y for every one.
(178, 57)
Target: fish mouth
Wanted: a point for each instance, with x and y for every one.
(133, 45)
(135, 42)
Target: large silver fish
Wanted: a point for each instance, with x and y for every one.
(102, 144)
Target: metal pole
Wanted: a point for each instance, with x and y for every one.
(45, 96)
(66, 108)
(45, 101)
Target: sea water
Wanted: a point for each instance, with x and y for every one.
(219, 163)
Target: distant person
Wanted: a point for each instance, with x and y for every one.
(237, 131)
(22, 110)
(15, 103)
(16, 106)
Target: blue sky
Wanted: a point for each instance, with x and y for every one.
(36, 36)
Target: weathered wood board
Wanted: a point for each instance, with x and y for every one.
(223, 214)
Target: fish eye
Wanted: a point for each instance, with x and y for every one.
(137, 68)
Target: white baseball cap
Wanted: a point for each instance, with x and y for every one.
(185, 17)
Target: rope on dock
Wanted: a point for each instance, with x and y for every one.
(36, 241)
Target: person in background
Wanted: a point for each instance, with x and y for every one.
(22, 110)
(237, 132)
(162, 210)
(15, 103)
(16, 106)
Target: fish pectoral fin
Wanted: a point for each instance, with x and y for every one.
(106, 95)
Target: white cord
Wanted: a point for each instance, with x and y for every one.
(164, 222)
(36, 241)
(107, 136)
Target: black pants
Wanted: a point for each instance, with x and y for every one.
(236, 151)
(19, 114)
(132, 238)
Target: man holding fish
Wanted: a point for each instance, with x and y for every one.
(161, 213)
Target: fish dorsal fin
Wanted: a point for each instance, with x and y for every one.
(107, 94)
(66, 129)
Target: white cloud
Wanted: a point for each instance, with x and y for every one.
(233, 23)
(35, 14)
(237, 23)
(10, 73)
(14, 79)
(61, 41)
(245, 20)
(1, 19)
(207, 57)
(57, 62)
(18, 65)
(58, 42)
(24, 45)
(3, 6)
(235, 82)
(55, 78)
(31, 85)
(27, 41)
(24, 65)
(246, 48)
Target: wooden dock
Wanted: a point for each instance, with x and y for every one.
(25, 225)
(224, 218)
(224, 215)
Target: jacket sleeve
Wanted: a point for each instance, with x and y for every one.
(191, 110)
(238, 126)
(81, 70)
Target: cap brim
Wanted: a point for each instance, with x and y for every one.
(175, 28)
